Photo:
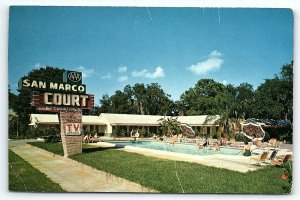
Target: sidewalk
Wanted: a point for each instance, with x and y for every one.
(73, 176)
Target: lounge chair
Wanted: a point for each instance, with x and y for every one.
(279, 162)
(260, 159)
(272, 156)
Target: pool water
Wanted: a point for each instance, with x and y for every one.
(178, 148)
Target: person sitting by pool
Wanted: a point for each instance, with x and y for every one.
(86, 138)
(154, 137)
(90, 138)
(96, 137)
(247, 149)
(257, 142)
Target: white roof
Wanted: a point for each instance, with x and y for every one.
(43, 119)
(152, 120)
(124, 119)
(130, 119)
(53, 119)
(90, 119)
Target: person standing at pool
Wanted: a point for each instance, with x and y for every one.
(217, 146)
(247, 149)
(131, 133)
(174, 139)
(136, 135)
(164, 138)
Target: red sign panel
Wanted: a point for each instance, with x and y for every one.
(62, 99)
(73, 129)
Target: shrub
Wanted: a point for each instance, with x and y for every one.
(34, 132)
(288, 176)
(50, 134)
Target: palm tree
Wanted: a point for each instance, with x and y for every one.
(169, 125)
(228, 126)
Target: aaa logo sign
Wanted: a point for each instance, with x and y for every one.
(73, 129)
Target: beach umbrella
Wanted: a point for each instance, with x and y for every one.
(253, 131)
(187, 130)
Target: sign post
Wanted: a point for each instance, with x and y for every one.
(66, 98)
(70, 130)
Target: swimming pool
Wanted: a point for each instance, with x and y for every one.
(178, 148)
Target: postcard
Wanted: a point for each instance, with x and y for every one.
(150, 100)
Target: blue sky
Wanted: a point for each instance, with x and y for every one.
(175, 47)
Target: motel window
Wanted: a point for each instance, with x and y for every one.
(153, 129)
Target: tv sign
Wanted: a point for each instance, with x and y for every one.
(73, 129)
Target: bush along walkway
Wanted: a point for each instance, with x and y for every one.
(73, 176)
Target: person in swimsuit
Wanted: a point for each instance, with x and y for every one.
(247, 149)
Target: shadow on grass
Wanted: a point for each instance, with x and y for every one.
(93, 149)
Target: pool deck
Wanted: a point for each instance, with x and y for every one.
(232, 162)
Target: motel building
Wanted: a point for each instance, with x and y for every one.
(108, 123)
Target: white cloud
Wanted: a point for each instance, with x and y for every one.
(224, 82)
(215, 53)
(107, 76)
(212, 63)
(159, 72)
(122, 69)
(85, 72)
(36, 66)
(139, 73)
(122, 78)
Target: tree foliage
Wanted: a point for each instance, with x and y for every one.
(139, 99)
(170, 126)
(274, 98)
(22, 105)
(202, 99)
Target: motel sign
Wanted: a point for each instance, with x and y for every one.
(66, 98)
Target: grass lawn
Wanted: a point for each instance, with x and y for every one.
(24, 178)
(55, 148)
(164, 175)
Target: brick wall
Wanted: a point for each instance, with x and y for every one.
(72, 144)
